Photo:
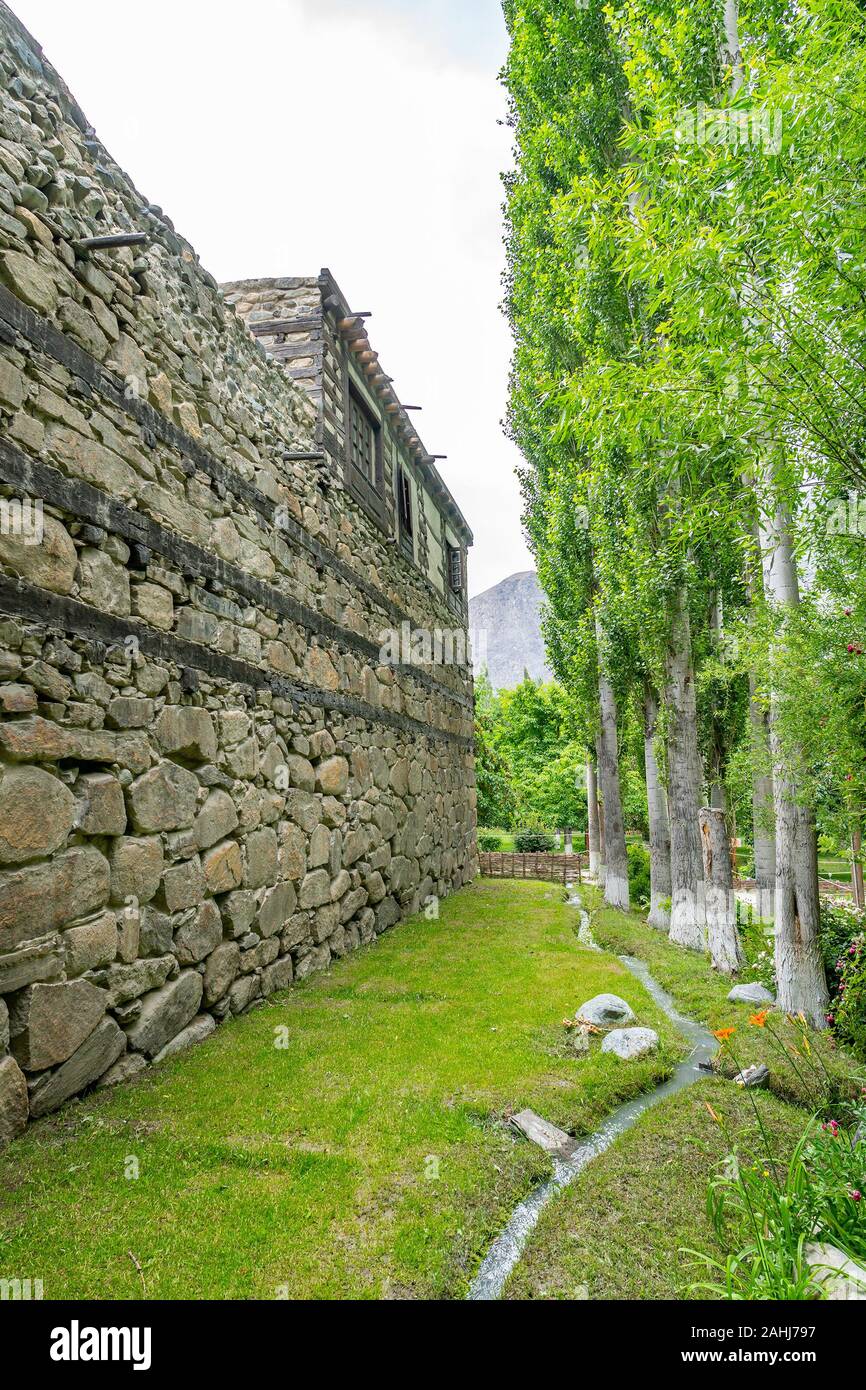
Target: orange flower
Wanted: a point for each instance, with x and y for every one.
(724, 1033)
(759, 1020)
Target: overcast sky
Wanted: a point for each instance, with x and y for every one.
(281, 136)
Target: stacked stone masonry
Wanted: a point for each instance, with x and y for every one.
(211, 785)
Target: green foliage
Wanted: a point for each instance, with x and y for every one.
(489, 842)
(841, 923)
(677, 302)
(633, 792)
(498, 802)
(639, 874)
(532, 762)
(758, 950)
(842, 936)
(848, 1008)
(815, 1196)
(533, 842)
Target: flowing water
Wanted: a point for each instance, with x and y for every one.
(508, 1247)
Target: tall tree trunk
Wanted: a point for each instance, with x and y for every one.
(659, 828)
(857, 867)
(801, 984)
(602, 867)
(715, 771)
(762, 807)
(688, 919)
(616, 866)
(723, 938)
(593, 818)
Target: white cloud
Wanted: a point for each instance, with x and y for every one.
(284, 135)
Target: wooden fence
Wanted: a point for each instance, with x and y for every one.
(559, 868)
(827, 887)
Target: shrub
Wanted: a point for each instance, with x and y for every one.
(779, 1207)
(842, 936)
(533, 842)
(848, 1009)
(816, 1196)
(757, 943)
(639, 874)
(489, 842)
(841, 921)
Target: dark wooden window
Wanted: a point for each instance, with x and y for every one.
(455, 570)
(363, 440)
(404, 511)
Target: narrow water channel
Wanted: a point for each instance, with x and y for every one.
(508, 1247)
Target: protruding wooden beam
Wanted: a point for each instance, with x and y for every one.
(111, 241)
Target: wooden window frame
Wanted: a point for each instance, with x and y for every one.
(405, 517)
(370, 492)
(360, 411)
(456, 596)
(454, 553)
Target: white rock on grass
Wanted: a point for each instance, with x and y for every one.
(604, 1010)
(751, 994)
(757, 1075)
(631, 1043)
(840, 1277)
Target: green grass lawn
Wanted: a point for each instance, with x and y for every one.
(369, 1158)
(831, 866)
(619, 1231)
(702, 994)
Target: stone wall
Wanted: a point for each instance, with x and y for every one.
(210, 784)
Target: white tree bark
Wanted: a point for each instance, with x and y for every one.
(718, 794)
(800, 980)
(857, 867)
(688, 919)
(616, 866)
(722, 934)
(602, 867)
(659, 827)
(801, 984)
(731, 52)
(762, 807)
(593, 818)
